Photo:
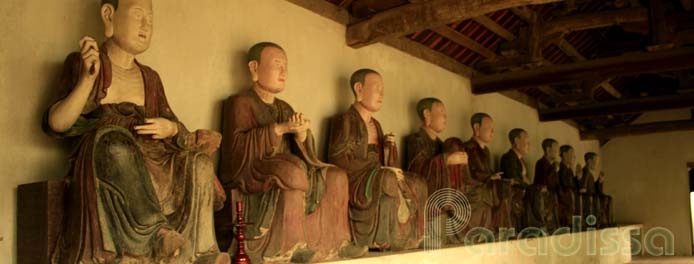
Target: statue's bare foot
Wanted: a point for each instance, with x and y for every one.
(349, 250)
(169, 243)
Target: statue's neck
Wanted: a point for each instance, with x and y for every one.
(265, 96)
(567, 163)
(481, 142)
(119, 56)
(363, 112)
(430, 132)
(518, 153)
(548, 158)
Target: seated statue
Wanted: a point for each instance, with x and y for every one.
(386, 205)
(297, 203)
(567, 186)
(598, 203)
(142, 189)
(543, 208)
(483, 185)
(425, 156)
(515, 169)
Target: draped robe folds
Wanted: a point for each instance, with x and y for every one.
(293, 199)
(124, 187)
(481, 191)
(377, 199)
(514, 168)
(567, 196)
(426, 157)
(543, 205)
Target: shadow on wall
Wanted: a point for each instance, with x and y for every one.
(345, 98)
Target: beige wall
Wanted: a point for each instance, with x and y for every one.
(199, 49)
(648, 178)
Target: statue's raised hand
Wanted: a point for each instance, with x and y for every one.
(89, 53)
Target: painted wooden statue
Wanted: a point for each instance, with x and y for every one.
(297, 203)
(515, 169)
(544, 206)
(142, 188)
(386, 204)
(440, 169)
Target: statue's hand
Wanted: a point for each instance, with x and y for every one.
(298, 125)
(90, 62)
(159, 128)
(457, 158)
(207, 141)
(399, 175)
(496, 176)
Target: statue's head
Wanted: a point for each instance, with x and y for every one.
(268, 63)
(128, 24)
(482, 127)
(432, 112)
(453, 144)
(592, 160)
(520, 141)
(567, 153)
(367, 86)
(551, 148)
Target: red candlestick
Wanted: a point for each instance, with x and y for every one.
(240, 257)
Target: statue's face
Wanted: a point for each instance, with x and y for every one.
(486, 130)
(594, 162)
(553, 152)
(132, 25)
(570, 156)
(370, 93)
(522, 143)
(437, 118)
(271, 73)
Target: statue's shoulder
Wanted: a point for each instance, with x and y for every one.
(240, 98)
(470, 144)
(283, 104)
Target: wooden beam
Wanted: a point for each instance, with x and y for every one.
(623, 106)
(463, 40)
(635, 63)
(523, 12)
(535, 37)
(345, 3)
(412, 18)
(325, 9)
(423, 52)
(570, 50)
(659, 28)
(640, 129)
(607, 86)
(595, 20)
(494, 27)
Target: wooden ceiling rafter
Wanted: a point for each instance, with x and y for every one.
(561, 40)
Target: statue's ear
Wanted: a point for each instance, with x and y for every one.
(107, 13)
(475, 129)
(358, 90)
(253, 68)
(427, 116)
